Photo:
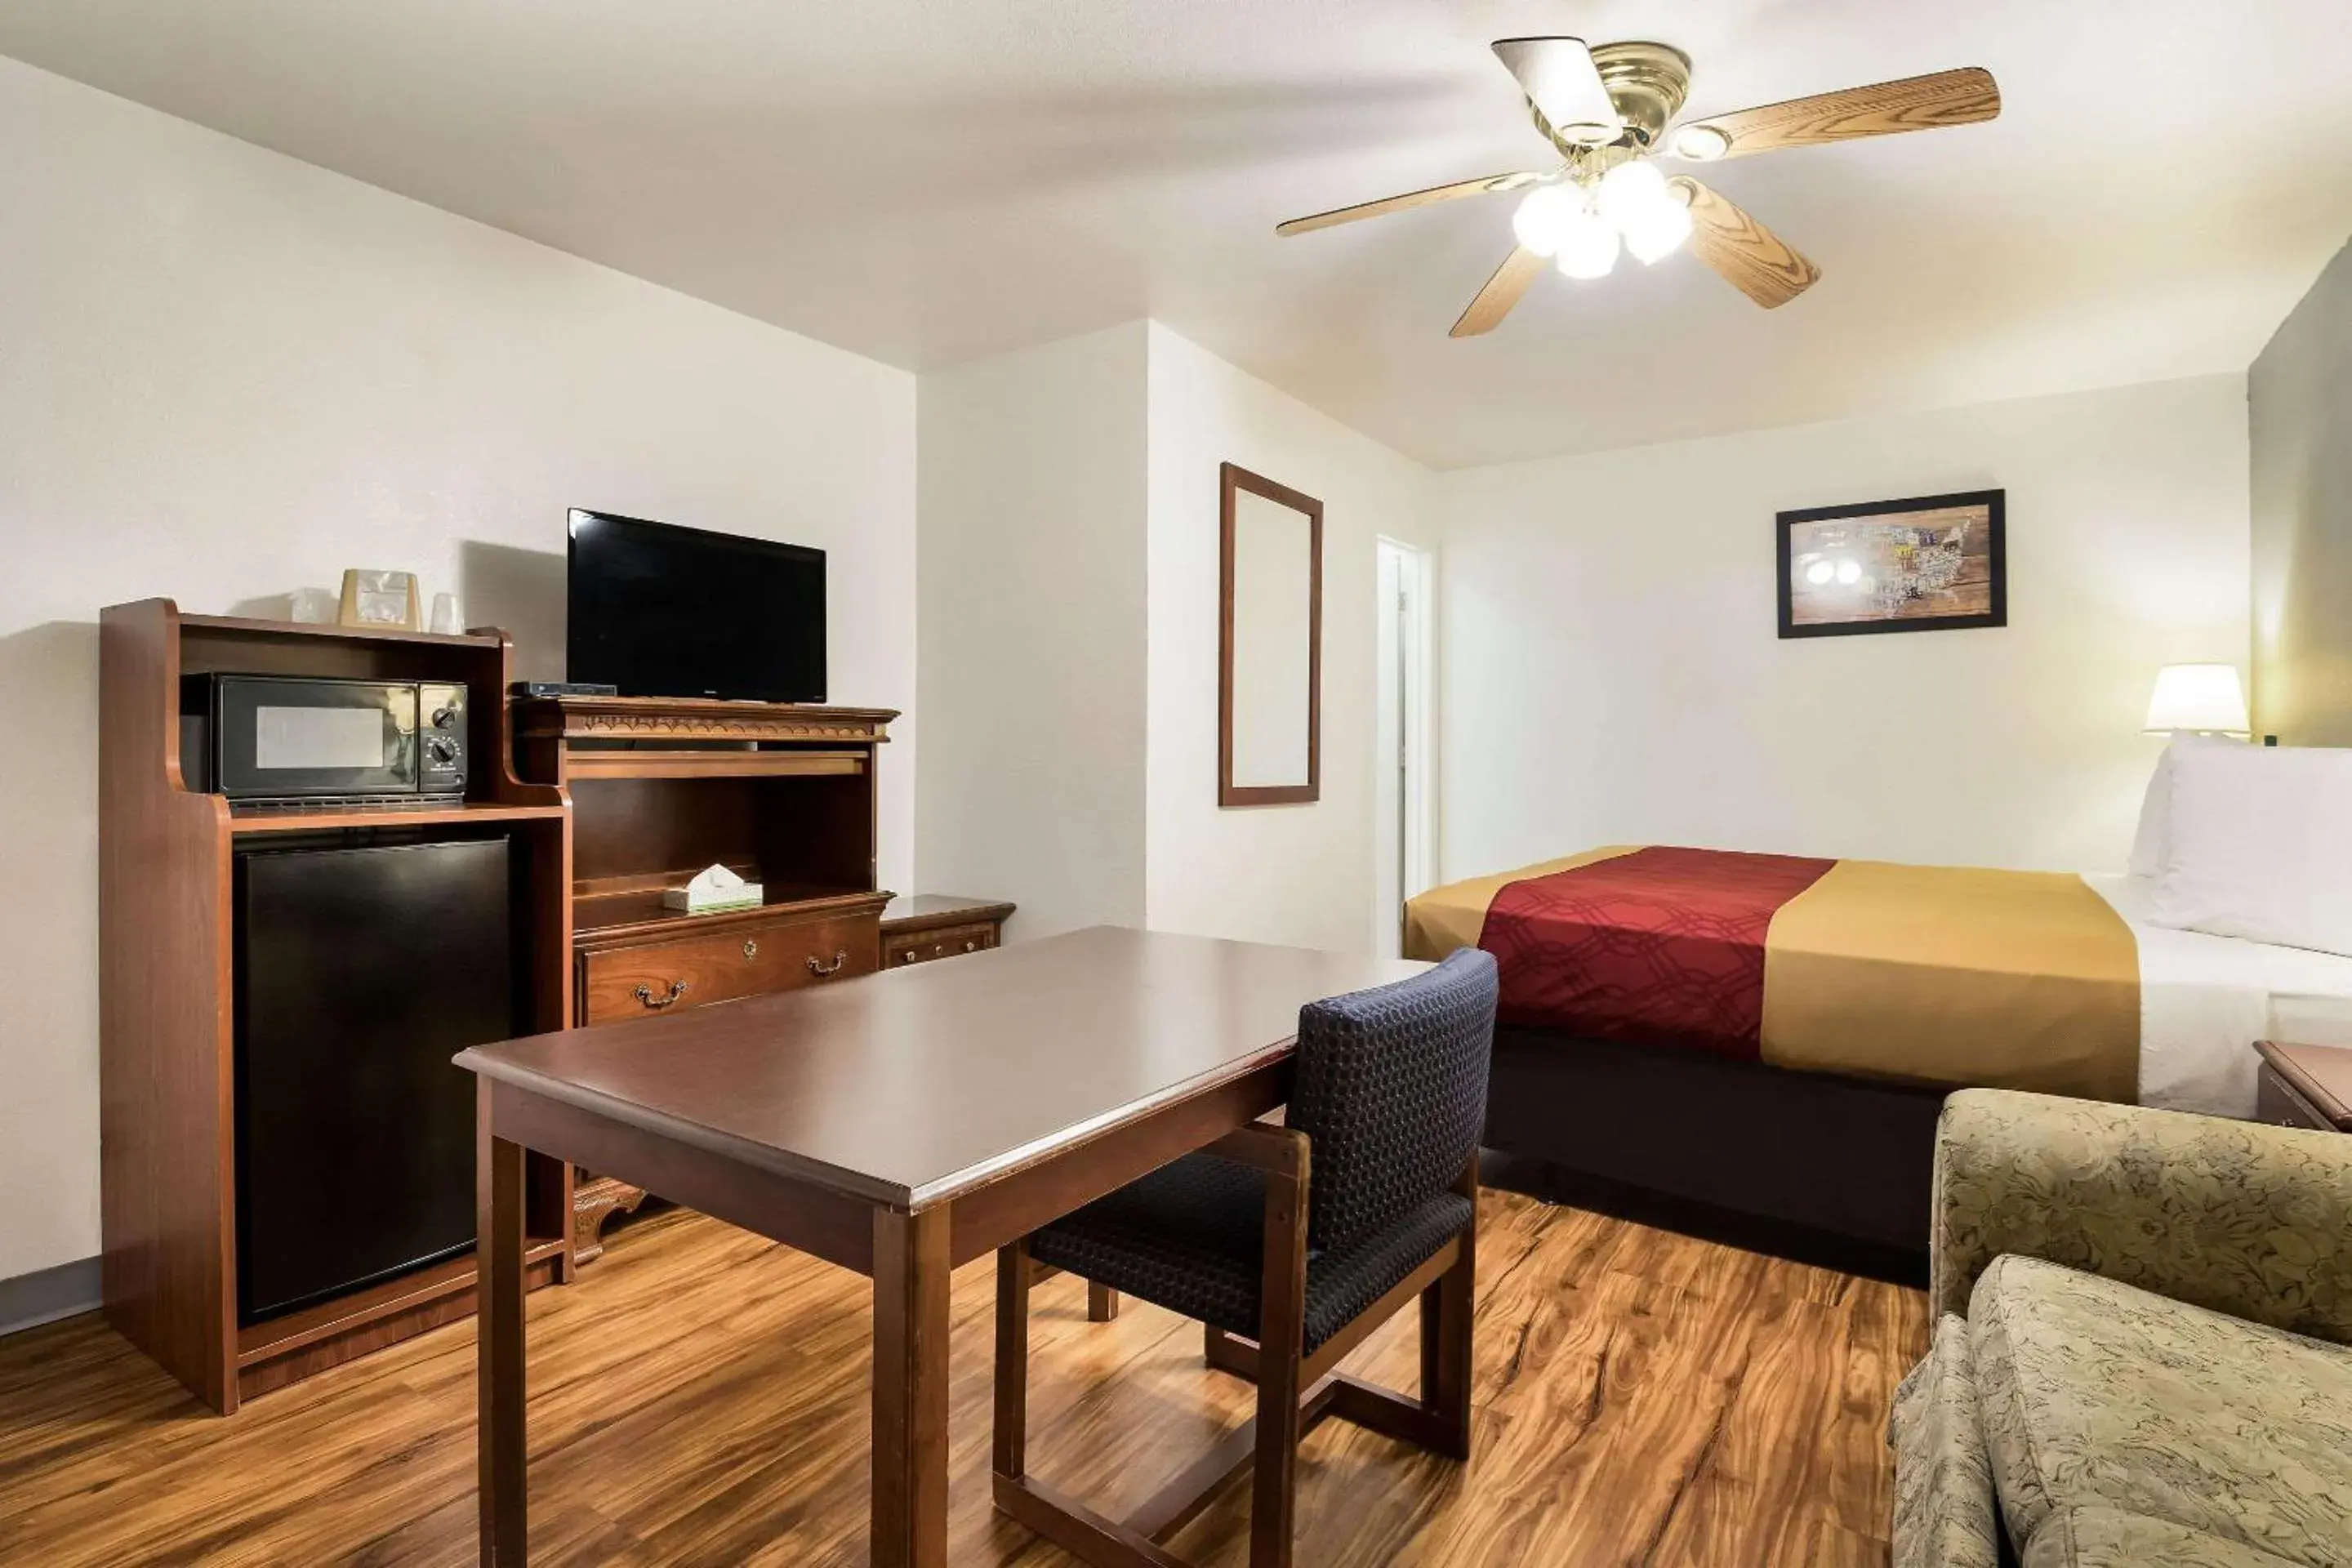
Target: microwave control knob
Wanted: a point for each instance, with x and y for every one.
(441, 750)
(444, 718)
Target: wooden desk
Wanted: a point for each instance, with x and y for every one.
(897, 1125)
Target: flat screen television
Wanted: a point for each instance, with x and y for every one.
(662, 611)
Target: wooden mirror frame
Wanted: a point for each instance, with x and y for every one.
(1232, 477)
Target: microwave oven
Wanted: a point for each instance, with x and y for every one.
(294, 740)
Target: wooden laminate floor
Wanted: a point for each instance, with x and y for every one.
(699, 1397)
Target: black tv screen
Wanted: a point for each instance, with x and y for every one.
(662, 611)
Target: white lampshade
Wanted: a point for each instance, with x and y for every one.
(2201, 697)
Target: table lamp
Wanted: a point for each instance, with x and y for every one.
(2202, 699)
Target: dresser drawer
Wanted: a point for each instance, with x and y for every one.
(746, 959)
(900, 949)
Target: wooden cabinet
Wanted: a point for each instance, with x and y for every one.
(169, 1084)
(661, 788)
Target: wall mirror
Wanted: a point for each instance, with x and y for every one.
(1270, 646)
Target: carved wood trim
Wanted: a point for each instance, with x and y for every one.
(653, 718)
(595, 1200)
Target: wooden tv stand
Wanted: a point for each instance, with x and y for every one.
(662, 787)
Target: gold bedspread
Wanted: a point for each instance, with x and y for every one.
(1935, 975)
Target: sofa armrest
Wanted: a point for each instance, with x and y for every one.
(2246, 1219)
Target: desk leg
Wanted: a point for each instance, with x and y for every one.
(498, 1224)
(910, 1389)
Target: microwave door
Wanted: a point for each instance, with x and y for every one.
(277, 739)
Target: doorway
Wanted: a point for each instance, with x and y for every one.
(1402, 739)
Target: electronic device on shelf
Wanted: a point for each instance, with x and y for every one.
(657, 610)
(564, 689)
(283, 741)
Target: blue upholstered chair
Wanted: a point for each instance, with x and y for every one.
(1291, 1244)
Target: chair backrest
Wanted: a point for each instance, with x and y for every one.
(1389, 1085)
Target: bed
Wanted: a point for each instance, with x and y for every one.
(1756, 1047)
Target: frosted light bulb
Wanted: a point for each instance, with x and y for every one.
(1849, 572)
(1660, 232)
(1819, 572)
(1544, 214)
(1630, 192)
(1588, 247)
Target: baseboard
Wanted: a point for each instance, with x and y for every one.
(46, 1295)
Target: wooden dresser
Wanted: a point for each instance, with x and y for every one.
(919, 926)
(662, 787)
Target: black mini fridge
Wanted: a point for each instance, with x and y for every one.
(360, 972)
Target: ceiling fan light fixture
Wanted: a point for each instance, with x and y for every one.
(1544, 217)
(1588, 247)
(1699, 144)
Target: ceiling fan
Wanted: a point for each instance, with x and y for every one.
(1607, 110)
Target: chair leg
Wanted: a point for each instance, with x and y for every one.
(1012, 1436)
(1447, 1308)
(1282, 1336)
(1102, 1303)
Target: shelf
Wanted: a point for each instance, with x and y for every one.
(469, 812)
(247, 628)
(596, 917)
(280, 1337)
(584, 763)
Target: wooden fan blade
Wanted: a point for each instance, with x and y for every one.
(1751, 258)
(1563, 86)
(1502, 291)
(1409, 199)
(1915, 103)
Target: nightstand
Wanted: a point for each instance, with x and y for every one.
(2306, 1086)
(921, 926)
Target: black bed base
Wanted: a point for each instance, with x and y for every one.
(1826, 1170)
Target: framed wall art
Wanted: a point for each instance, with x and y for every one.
(1928, 564)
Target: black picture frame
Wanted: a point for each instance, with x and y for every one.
(1995, 505)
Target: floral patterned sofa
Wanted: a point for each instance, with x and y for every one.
(2140, 1352)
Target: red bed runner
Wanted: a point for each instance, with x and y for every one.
(1659, 947)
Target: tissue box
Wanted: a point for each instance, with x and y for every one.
(697, 901)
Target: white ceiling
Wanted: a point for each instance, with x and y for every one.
(924, 181)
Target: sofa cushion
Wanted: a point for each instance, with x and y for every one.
(1943, 1482)
(2103, 1538)
(2096, 1394)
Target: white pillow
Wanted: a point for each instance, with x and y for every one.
(2153, 841)
(2260, 846)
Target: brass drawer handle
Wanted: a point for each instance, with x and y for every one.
(655, 1004)
(751, 949)
(821, 969)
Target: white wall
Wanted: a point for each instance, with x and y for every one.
(1296, 873)
(1610, 671)
(2299, 397)
(1032, 681)
(225, 374)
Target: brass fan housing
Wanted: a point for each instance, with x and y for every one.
(1647, 82)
